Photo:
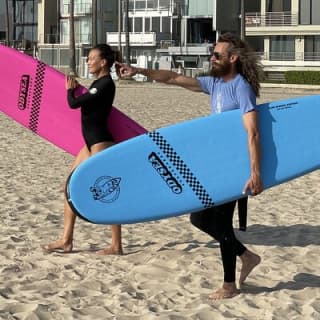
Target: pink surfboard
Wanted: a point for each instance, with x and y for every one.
(33, 94)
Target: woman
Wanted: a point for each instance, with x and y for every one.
(95, 107)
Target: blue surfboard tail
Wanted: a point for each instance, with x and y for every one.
(69, 200)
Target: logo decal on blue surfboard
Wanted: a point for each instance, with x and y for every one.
(197, 188)
(164, 173)
(106, 189)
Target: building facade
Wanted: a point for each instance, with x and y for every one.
(178, 33)
(168, 33)
(152, 25)
(287, 35)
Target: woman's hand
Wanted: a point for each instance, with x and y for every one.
(71, 82)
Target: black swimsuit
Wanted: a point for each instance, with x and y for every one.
(95, 108)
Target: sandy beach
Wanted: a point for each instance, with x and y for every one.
(169, 267)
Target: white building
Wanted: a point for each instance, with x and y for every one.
(172, 33)
(287, 35)
(152, 24)
(168, 33)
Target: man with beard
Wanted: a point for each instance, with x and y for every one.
(233, 84)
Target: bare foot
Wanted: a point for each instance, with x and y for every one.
(249, 261)
(58, 245)
(228, 290)
(109, 251)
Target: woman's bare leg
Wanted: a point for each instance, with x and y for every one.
(65, 243)
(116, 243)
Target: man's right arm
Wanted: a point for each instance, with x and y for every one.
(164, 76)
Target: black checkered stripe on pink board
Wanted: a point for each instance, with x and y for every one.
(37, 96)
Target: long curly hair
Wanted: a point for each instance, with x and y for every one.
(248, 64)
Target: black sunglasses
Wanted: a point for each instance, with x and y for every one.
(217, 55)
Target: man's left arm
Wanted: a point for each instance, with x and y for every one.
(250, 121)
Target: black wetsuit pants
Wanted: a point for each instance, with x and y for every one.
(217, 222)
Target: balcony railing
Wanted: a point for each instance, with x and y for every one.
(256, 19)
(165, 44)
(49, 38)
(290, 56)
(64, 38)
(311, 56)
(135, 38)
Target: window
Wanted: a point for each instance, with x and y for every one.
(84, 30)
(82, 7)
(137, 24)
(312, 48)
(25, 18)
(110, 6)
(282, 48)
(26, 11)
(278, 5)
(278, 12)
(64, 7)
(147, 24)
(166, 24)
(152, 4)
(2, 35)
(130, 26)
(49, 56)
(155, 24)
(309, 12)
(26, 33)
(109, 26)
(164, 4)
(64, 31)
(140, 5)
(64, 55)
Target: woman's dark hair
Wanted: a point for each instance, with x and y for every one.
(248, 64)
(106, 52)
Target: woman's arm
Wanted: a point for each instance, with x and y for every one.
(95, 91)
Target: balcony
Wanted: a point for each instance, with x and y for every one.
(284, 61)
(272, 19)
(277, 23)
(198, 49)
(82, 38)
(135, 38)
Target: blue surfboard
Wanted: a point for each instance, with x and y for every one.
(195, 164)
